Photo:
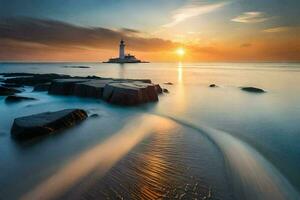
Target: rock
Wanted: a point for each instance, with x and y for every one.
(118, 91)
(165, 90)
(15, 98)
(42, 87)
(45, 123)
(129, 93)
(129, 80)
(4, 91)
(11, 85)
(92, 88)
(64, 86)
(16, 74)
(95, 115)
(213, 85)
(158, 89)
(253, 89)
(33, 79)
(79, 66)
(168, 83)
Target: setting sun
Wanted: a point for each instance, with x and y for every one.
(180, 51)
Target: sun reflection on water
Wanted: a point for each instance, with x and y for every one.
(179, 72)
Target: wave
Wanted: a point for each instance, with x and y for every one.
(251, 175)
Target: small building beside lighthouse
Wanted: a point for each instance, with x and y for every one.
(124, 58)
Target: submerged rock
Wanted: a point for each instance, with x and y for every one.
(5, 91)
(15, 98)
(213, 85)
(253, 89)
(95, 115)
(11, 85)
(42, 87)
(75, 66)
(165, 90)
(45, 123)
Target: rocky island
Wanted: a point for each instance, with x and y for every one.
(124, 58)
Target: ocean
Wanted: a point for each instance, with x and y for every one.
(196, 142)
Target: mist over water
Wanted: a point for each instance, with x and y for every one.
(217, 143)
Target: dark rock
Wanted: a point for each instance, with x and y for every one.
(42, 87)
(15, 98)
(95, 115)
(118, 91)
(33, 79)
(253, 89)
(213, 85)
(158, 89)
(168, 83)
(64, 86)
(129, 93)
(4, 91)
(130, 80)
(165, 90)
(91, 88)
(79, 66)
(45, 123)
(16, 74)
(11, 85)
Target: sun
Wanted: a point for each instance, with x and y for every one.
(180, 51)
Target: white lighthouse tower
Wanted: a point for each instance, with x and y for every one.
(122, 50)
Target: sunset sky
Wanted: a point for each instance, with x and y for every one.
(209, 30)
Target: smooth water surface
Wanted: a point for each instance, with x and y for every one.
(196, 142)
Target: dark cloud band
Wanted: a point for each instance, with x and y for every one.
(61, 34)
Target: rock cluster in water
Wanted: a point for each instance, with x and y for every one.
(45, 123)
(116, 91)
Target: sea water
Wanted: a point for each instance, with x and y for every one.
(196, 142)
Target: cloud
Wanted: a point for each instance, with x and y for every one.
(59, 34)
(193, 10)
(245, 45)
(251, 17)
(130, 31)
(280, 29)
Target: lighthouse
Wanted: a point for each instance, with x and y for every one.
(122, 50)
(124, 58)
